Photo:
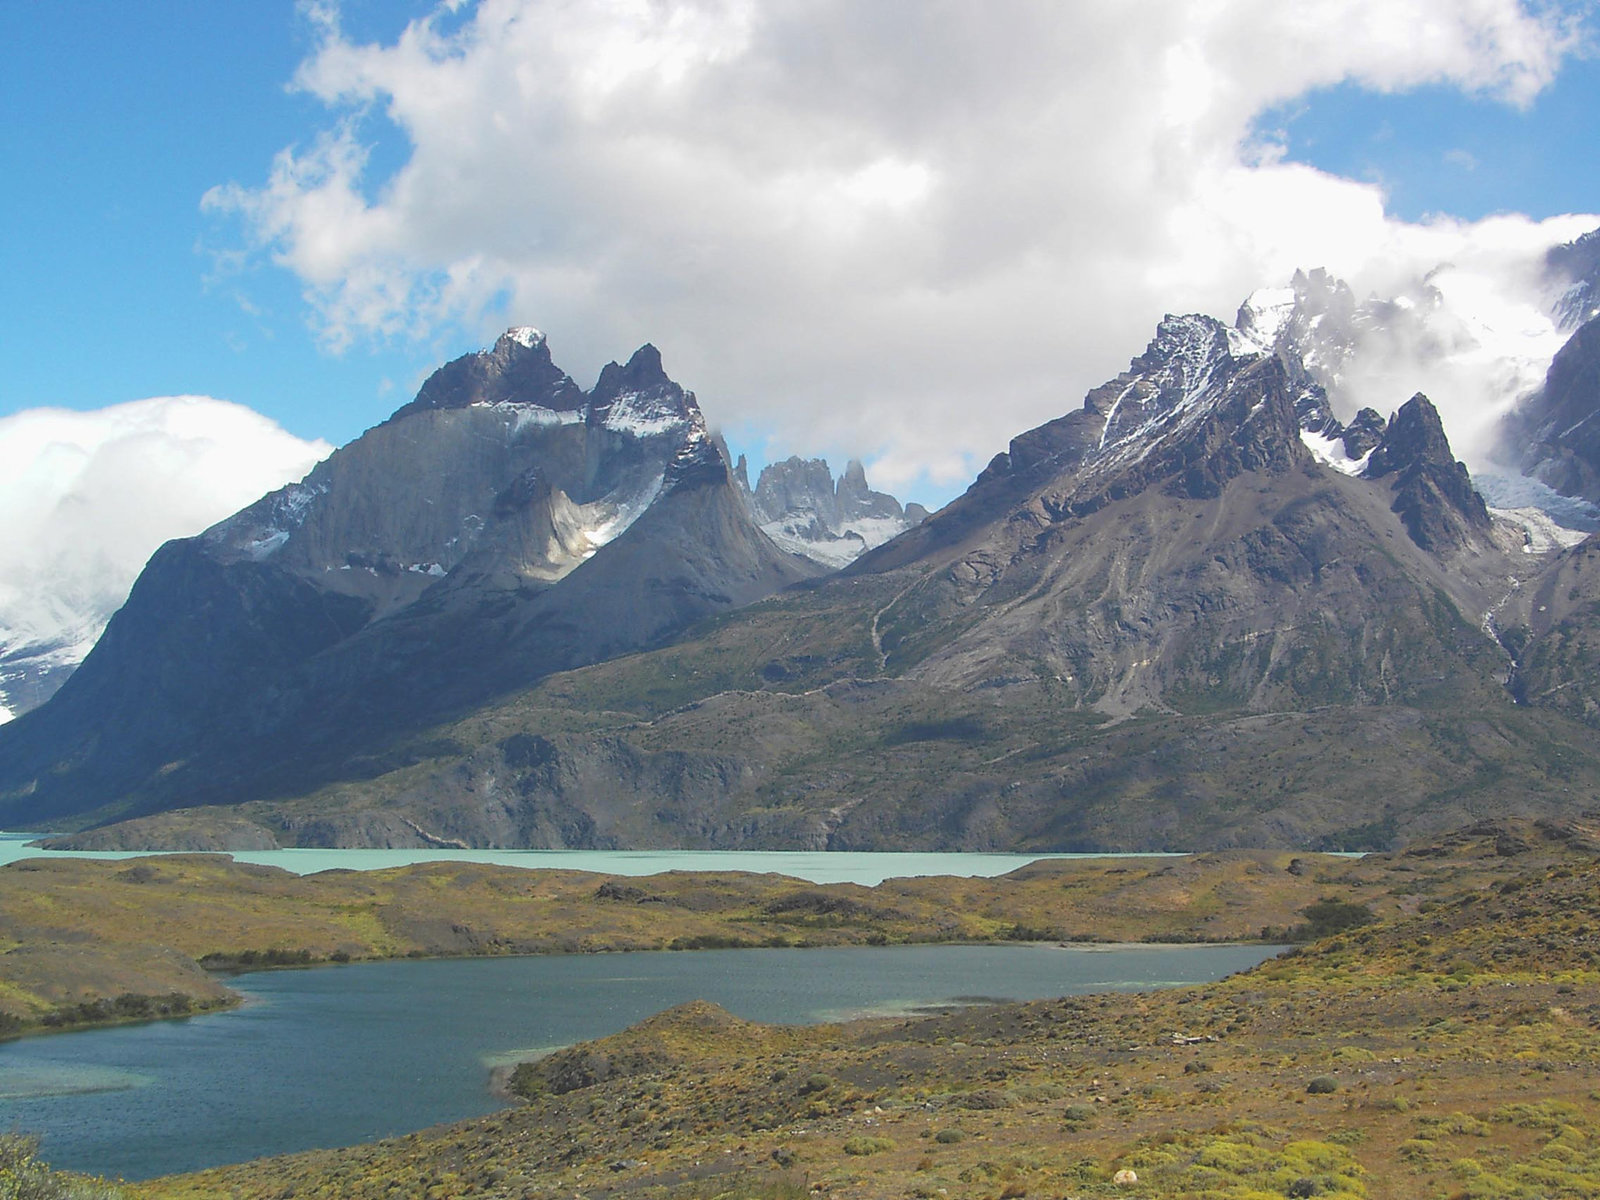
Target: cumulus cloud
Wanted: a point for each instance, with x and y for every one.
(909, 228)
(86, 497)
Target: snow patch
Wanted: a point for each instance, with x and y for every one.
(1242, 345)
(526, 336)
(1540, 531)
(1330, 452)
(874, 531)
(286, 512)
(830, 552)
(606, 520)
(799, 534)
(534, 416)
(644, 414)
(265, 547)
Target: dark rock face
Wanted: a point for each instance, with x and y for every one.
(517, 370)
(856, 500)
(501, 526)
(1553, 630)
(1555, 434)
(800, 490)
(1575, 267)
(1433, 493)
(1363, 434)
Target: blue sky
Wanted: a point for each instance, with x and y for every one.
(1436, 150)
(116, 119)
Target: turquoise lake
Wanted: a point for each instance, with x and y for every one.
(338, 1055)
(818, 866)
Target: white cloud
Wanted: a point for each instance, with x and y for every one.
(88, 496)
(910, 229)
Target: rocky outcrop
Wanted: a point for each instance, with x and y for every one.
(1433, 493)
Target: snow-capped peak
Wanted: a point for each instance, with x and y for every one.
(1264, 316)
(525, 336)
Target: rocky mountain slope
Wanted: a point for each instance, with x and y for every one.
(1196, 611)
(503, 525)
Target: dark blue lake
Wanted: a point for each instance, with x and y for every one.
(338, 1055)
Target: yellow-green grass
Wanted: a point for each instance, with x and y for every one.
(82, 931)
(1451, 1050)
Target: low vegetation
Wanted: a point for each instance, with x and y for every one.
(86, 942)
(25, 1176)
(1449, 1048)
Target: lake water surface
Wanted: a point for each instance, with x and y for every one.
(868, 868)
(338, 1055)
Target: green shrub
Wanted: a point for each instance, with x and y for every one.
(863, 1146)
(1323, 1085)
(23, 1176)
(948, 1137)
(1329, 916)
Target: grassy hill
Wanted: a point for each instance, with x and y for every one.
(1448, 1050)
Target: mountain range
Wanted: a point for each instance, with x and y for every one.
(802, 508)
(1199, 610)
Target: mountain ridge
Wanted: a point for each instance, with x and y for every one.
(1156, 622)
